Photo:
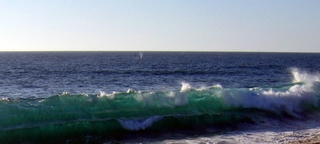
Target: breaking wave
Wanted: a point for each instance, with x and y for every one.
(111, 115)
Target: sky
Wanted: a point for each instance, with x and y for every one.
(160, 25)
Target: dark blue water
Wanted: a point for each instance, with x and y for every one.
(118, 95)
(46, 74)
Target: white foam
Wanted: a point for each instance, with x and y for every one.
(85, 94)
(130, 91)
(110, 96)
(164, 99)
(217, 86)
(279, 100)
(139, 124)
(64, 94)
(302, 76)
(5, 99)
(185, 87)
(284, 99)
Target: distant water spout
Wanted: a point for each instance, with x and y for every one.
(141, 55)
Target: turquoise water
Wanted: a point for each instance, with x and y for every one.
(117, 115)
(78, 97)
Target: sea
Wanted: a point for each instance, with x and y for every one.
(158, 97)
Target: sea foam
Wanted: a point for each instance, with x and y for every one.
(289, 100)
(138, 124)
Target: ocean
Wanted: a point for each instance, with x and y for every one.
(158, 97)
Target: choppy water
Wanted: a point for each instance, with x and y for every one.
(114, 96)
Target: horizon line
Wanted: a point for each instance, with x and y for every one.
(162, 51)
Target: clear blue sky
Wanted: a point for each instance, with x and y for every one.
(160, 25)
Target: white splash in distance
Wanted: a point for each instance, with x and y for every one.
(141, 55)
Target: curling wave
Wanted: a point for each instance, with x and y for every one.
(68, 115)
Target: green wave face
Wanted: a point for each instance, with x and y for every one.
(111, 116)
